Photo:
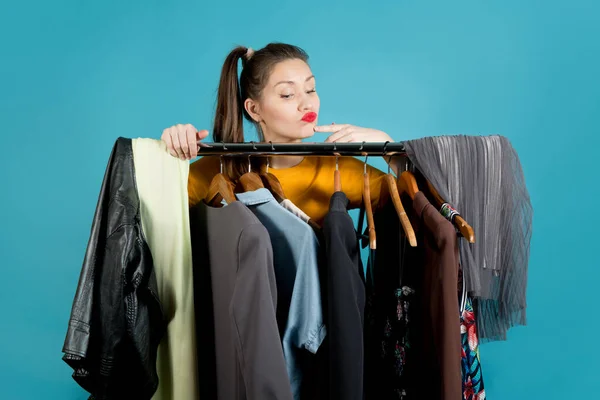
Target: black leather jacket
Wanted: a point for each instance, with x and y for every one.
(116, 320)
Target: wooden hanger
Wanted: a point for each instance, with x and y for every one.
(463, 227)
(272, 183)
(390, 179)
(251, 181)
(220, 188)
(369, 207)
(407, 183)
(337, 181)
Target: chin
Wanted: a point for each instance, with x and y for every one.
(293, 135)
(307, 132)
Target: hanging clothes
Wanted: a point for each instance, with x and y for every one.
(391, 334)
(116, 322)
(161, 182)
(345, 290)
(256, 304)
(295, 256)
(239, 347)
(441, 332)
(413, 337)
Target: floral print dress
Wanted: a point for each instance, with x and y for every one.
(472, 379)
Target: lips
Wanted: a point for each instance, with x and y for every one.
(309, 117)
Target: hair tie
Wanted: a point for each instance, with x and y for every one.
(249, 53)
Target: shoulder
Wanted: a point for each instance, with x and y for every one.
(207, 165)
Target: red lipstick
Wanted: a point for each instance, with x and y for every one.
(309, 117)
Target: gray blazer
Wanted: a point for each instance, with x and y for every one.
(235, 291)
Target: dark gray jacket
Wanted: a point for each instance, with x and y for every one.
(240, 356)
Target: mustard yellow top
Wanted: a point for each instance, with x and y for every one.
(309, 184)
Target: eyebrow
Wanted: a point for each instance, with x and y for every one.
(292, 82)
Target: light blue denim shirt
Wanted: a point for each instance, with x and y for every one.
(295, 256)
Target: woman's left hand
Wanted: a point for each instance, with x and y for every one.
(345, 133)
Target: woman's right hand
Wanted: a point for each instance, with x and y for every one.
(182, 140)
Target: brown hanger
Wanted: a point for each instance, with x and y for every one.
(393, 188)
(220, 188)
(337, 181)
(272, 183)
(251, 181)
(407, 183)
(463, 227)
(369, 207)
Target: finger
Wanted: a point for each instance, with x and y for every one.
(339, 134)
(185, 149)
(167, 138)
(201, 134)
(330, 128)
(176, 144)
(191, 141)
(348, 138)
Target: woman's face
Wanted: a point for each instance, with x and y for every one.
(288, 97)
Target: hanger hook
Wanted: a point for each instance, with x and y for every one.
(385, 153)
(269, 158)
(221, 157)
(362, 145)
(336, 156)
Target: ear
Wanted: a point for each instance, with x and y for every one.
(253, 109)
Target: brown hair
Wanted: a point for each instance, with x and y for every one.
(256, 70)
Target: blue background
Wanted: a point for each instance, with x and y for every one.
(75, 75)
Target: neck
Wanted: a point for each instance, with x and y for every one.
(279, 162)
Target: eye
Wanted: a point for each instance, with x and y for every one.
(286, 96)
(312, 91)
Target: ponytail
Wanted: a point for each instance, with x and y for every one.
(228, 125)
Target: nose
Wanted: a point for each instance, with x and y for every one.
(306, 104)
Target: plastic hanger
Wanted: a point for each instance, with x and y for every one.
(220, 188)
(393, 188)
(459, 222)
(251, 181)
(369, 207)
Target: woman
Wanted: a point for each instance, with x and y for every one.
(276, 92)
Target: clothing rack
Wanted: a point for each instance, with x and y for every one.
(303, 149)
